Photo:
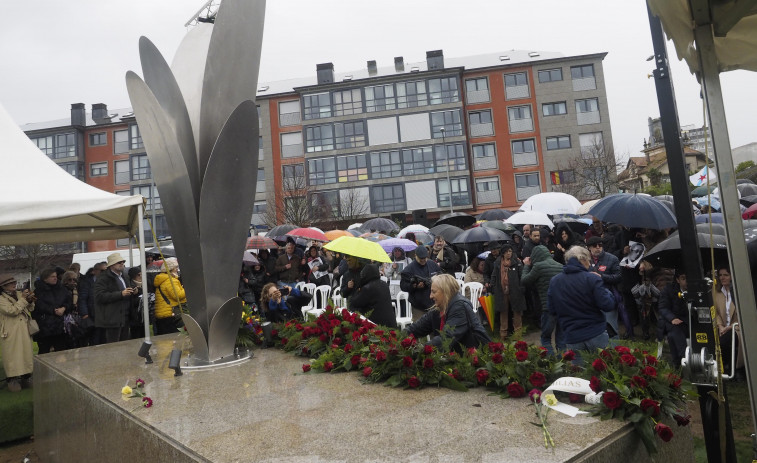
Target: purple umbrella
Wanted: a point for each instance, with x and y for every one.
(392, 243)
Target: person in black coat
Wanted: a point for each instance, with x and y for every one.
(374, 296)
(112, 300)
(351, 278)
(53, 302)
(674, 311)
(415, 277)
(565, 239)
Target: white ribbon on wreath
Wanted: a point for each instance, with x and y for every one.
(574, 386)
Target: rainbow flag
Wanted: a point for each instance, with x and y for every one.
(487, 305)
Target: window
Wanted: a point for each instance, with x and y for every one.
(560, 177)
(553, 109)
(317, 106)
(387, 198)
(45, 144)
(451, 122)
(98, 139)
(140, 167)
(347, 102)
(520, 119)
(135, 138)
(76, 169)
(550, 75)
(487, 190)
(319, 138)
(294, 176)
(380, 98)
(57, 146)
(291, 145)
(477, 90)
(592, 145)
(261, 151)
(524, 152)
(583, 78)
(587, 111)
(150, 194)
(411, 94)
(580, 72)
(121, 169)
(526, 185)
(120, 141)
(321, 171)
(480, 117)
(260, 181)
(259, 208)
(98, 169)
(349, 134)
(289, 113)
(460, 193)
(416, 161)
(352, 168)
(558, 143)
(484, 157)
(515, 80)
(449, 155)
(386, 164)
(325, 204)
(481, 123)
(443, 90)
(524, 146)
(516, 86)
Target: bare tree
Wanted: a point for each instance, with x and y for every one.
(593, 174)
(291, 205)
(352, 205)
(33, 258)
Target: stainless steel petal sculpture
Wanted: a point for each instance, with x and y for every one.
(199, 124)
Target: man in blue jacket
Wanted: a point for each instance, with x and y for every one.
(577, 298)
(607, 266)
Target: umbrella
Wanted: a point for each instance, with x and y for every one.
(750, 212)
(424, 237)
(667, 253)
(375, 237)
(530, 217)
(747, 189)
(458, 219)
(748, 200)
(576, 225)
(551, 203)
(331, 235)
(392, 243)
(712, 201)
(494, 214)
(358, 247)
(742, 181)
(499, 225)
(354, 232)
(634, 210)
(249, 258)
(702, 190)
(308, 234)
(354, 225)
(669, 204)
(379, 224)
(715, 217)
(412, 228)
(665, 198)
(167, 250)
(584, 209)
(260, 242)
(280, 230)
(446, 231)
(473, 240)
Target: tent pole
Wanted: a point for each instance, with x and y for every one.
(143, 266)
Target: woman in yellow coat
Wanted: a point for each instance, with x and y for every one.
(15, 342)
(169, 293)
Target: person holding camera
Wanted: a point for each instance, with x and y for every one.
(445, 256)
(415, 279)
(113, 295)
(273, 301)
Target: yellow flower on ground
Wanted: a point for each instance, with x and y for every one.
(550, 399)
(126, 390)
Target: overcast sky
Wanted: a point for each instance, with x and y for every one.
(55, 53)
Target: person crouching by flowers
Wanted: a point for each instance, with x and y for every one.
(452, 312)
(272, 301)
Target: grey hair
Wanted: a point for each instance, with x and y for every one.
(579, 252)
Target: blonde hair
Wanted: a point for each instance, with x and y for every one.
(448, 286)
(169, 264)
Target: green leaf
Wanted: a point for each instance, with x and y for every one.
(606, 415)
(452, 383)
(636, 417)
(394, 381)
(623, 390)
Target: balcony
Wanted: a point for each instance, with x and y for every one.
(591, 117)
(477, 96)
(481, 130)
(524, 159)
(516, 92)
(486, 163)
(292, 151)
(287, 119)
(521, 125)
(524, 193)
(584, 83)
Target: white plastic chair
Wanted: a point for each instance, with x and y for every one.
(310, 289)
(403, 319)
(460, 276)
(475, 292)
(336, 297)
(320, 300)
(461, 283)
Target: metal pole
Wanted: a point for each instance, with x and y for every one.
(446, 153)
(143, 266)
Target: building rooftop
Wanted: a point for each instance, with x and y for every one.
(116, 115)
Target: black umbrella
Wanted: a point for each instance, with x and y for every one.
(748, 200)
(473, 240)
(499, 225)
(458, 219)
(166, 249)
(665, 198)
(742, 181)
(494, 214)
(747, 189)
(667, 253)
(280, 230)
(576, 225)
(448, 232)
(379, 224)
(634, 210)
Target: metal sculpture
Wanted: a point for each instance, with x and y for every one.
(199, 125)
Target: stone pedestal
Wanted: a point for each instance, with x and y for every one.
(268, 410)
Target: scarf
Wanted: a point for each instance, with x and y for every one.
(12, 295)
(504, 277)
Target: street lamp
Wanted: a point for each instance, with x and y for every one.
(449, 182)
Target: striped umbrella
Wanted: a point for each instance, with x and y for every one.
(260, 242)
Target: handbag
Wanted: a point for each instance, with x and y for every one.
(32, 325)
(176, 309)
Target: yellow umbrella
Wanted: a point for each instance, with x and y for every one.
(358, 247)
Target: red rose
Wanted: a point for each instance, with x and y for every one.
(345, 330)
(413, 381)
(337, 341)
(299, 327)
(355, 335)
(575, 398)
(537, 379)
(428, 363)
(378, 333)
(639, 382)
(471, 350)
(515, 390)
(355, 360)
(599, 365)
(364, 338)
(305, 367)
(334, 346)
(456, 374)
(664, 432)
(651, 360)
(612, 400)
(475, 361)
(542, 351)
(622, 350)
(284, 341)
(323, 338)
(392, 334)
(345, 313)
(521, 356)
(497, 358)
(674, 380)
(534, 395)
(482, 375)
(595, 384)
(682, 420)
(363, 359)
(628, 359)
(407, 362)
(274, 332)
(328, 366)
(372, 348)
(606, 354)
(380, 355)
(650, 371)
(521, 345)
(569, 355)
(367, 371)
(305, 350)
(428, 349)
(650, 407)
(393, 350)
(496, 347)
(407, 342)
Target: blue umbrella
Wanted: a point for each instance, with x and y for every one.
(392, 243)
(634, 210)
(717, 217)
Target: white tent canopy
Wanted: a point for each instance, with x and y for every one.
(42, 203)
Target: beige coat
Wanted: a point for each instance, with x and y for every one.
(719, 301)
(15, 342)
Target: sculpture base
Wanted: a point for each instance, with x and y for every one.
(266, 409)
(194, 363)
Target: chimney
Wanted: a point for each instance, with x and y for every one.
(435, 59)
(372, 70)
(325, 73)
(399, 64)
(78, 114)
(100, 113)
